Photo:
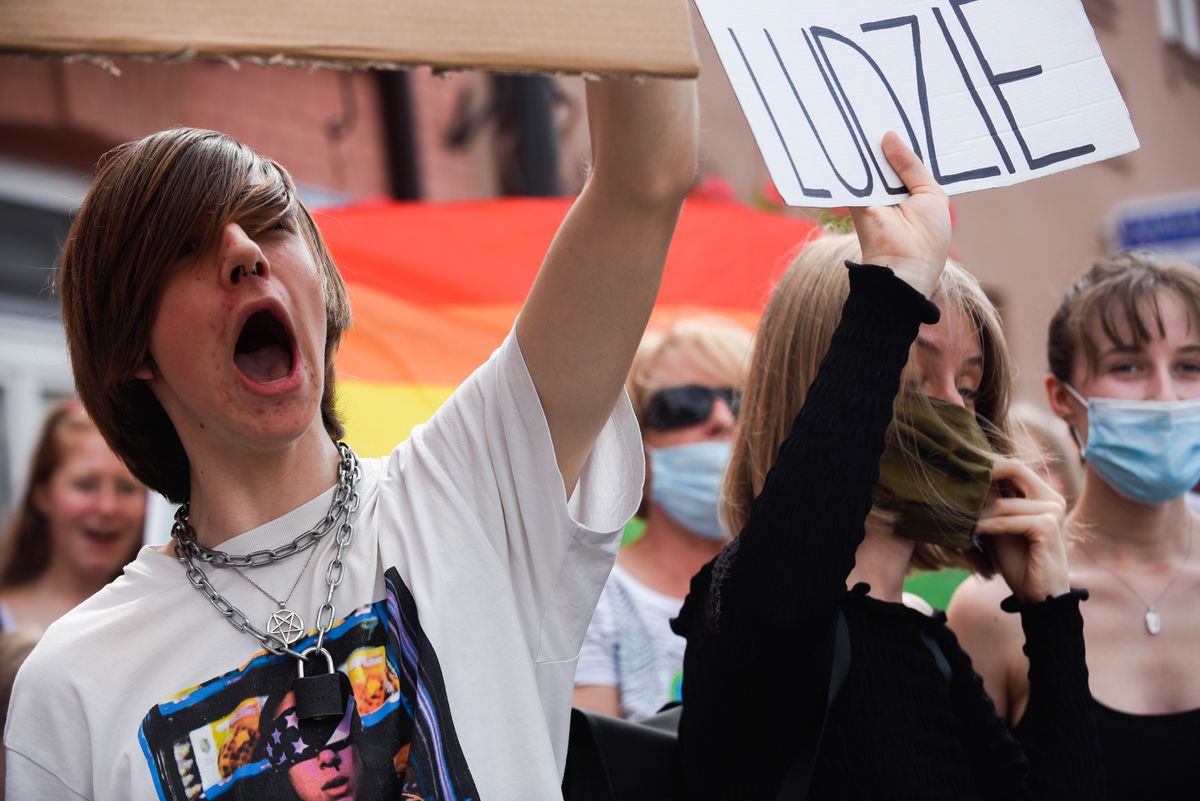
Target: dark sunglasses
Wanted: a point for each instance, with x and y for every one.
(681, 407)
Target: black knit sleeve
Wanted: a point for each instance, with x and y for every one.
(757, 617)
(1057, 754)
(1058, 732)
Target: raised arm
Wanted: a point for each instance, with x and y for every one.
(586, 312)
(798, 545)
(758, 616)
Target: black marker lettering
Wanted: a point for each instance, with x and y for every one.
(865, 191)
(826, 33)
(1011, 77)
(923, 99)
(821, 193)
(856, 192)
(983, 112)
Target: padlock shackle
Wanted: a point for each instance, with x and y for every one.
(314, 649)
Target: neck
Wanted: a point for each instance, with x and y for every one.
(233, 493)
(1112, 528)
(882, 560)
(60, 589)
(667, 555)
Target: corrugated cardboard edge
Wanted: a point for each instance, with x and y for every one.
(108, 63)
(601, 37)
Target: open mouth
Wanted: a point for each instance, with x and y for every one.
(264, 350)
(105, 537)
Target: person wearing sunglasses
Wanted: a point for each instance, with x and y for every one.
(685, 385)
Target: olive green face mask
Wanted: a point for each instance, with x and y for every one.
(935, 472)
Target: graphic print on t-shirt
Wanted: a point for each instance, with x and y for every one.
(237, 736)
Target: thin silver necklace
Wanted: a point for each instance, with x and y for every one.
(285, 623)
(1153, 617)
(339, 517)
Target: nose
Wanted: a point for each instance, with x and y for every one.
(1162, 385)
(241, 257)
(329, 758)
(721, 422)
(945, 388)
(106, 500)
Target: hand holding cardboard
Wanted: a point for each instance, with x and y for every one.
(986, 92)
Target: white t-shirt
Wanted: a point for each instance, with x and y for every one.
(630, 646)
(144, 692)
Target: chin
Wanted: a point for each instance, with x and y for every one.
(279, 428)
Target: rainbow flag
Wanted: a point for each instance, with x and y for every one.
(436, 287)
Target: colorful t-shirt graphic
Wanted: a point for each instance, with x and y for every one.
(239, 737)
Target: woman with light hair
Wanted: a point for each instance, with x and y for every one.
(1124, 356)
(805, 676)
(685, 385)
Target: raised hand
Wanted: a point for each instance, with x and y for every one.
(913, 238)
(1027, 532)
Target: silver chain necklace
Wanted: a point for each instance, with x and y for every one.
(339, 516)
(1153, 617)
(184, 535)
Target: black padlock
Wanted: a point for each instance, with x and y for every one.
(321, 696)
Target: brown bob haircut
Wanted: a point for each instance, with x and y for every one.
(151, 196)
(1122, 294)
(793, 335)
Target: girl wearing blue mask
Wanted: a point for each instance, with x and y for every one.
(872, 440)
(1124, 354)
(685, 386)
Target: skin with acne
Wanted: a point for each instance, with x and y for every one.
(215, 407)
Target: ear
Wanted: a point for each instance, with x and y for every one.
(1067, 407)
(40, 495)
(1062, 402)
(147, 370)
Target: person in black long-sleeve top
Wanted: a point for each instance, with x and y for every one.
(759, 618)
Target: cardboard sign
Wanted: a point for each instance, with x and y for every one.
(604, 37)
(987, 92)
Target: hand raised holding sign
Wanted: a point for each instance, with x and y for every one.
(913, 238)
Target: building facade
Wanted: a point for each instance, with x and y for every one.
(350, 136)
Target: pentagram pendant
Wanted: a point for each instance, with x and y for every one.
(1153, 620)
(285, 624)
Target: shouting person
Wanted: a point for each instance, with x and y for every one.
(448, 585)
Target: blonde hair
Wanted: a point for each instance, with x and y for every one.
(793, 336)
(714, 344)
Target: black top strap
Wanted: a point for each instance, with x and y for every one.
(799, 776)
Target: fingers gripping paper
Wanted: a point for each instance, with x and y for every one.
(987, 92)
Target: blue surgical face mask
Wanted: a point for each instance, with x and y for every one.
(685, 480)
(1149, 451)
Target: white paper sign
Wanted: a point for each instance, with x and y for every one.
(987, 92)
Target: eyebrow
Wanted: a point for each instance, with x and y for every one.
(972, 361)
(1120, 350)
